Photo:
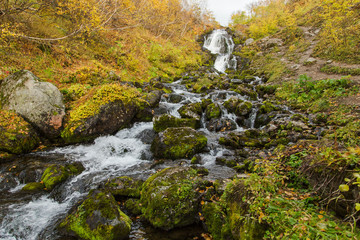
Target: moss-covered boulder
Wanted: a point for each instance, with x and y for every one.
(177, 143)
(56, 174)
(246, 92)
(124, 186)
(169, 198)
(33, 187)
(216, 221)
(165, 121)
(104, 110)
(40, 103)
(239, 140)
(16, 135)
(151, 100)
(223, 124)
(98, 217)
(243, 108)
(213, 111)
(232, 103)
(268, 107)
(191, 110)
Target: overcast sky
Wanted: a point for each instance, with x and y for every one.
(223, 9)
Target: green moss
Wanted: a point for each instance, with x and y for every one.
(178, 143)
(165, 121)
(340, 70)
(124, 186)
(216, 221)
(133, 205)
(192, 110)
(98, 217)
(243, 109)
(90, 104)
(267, 107)
(232, 103)
(246, 92)
(169, 198)
(33, 187)
(213, 111)
(56, 174)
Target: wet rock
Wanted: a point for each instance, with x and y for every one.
(196, 159)
(124, 186)
(33, 187)
(213, 111)
(223, 124)
(169, 198)
(175, 98)
(215, 221)
(177, 143)
(133, 206)
(243, 109)
(268, 107)
(146, 109)
(57, 174)
(191, 110)
(239, 140)
(40, 103)
(147, 136)
(232, 103)
(165, 121)
(98, 217)
(16, 135)
(243, 91)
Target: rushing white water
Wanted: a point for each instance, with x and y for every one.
(219, 42)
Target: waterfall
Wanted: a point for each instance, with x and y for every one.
(219, 42)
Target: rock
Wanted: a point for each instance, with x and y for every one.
(165, 121)
(177, 143)
(175, 98)
(243, 91)
(232, 103)
(223, 124)
(133, 205)
(249, 41)
(310, 61)
(191, 110)
(268, 43)
(16, 135)
(34, 187)
(238, 140)
(215, 221)
(40, 103)
(110, 108)
(213, 111)
(146, 136)
(146, 112)
(57, 174)
(169, 198)
(243, 109)
(124, 186)
(98, 217)
(268, 107)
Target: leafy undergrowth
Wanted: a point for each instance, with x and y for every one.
(283, 199)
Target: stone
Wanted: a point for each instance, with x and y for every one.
(169, 198)
(40, 103)
(191, 110)
(124, 187)
(249, 41)
(213, 111)
(223, 124)
(16, 135)
(98, 217)
(165, 121)
(177, 143)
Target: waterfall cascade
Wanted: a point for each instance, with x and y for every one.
(219, 42)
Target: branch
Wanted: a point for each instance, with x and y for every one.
(52, 39)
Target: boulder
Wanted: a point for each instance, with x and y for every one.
(177, 143)
(56, 174)
(98, 217)
(146, 112)
(223, 124)
(16, 135)
(124, 187)
(169, 198)
(108, 109)
(165, 121)
(40, 103)
(213, 111)
(191, 110)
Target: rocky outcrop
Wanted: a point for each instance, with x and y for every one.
(177, 143)
(40, 103)
(124, 187)
(98, 217)
(169, 198)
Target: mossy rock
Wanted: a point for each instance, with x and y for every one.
(124, 186)
(205, 103)
(169, 198)
(165, 121)
(191, 110)
(213, 111)
(216, 221)
(268, 107)
(56, 174)
(33, 187)
(133, 205)
(16, 135)
(177, 143)
(243, 109)
(98, 217)
(104, 110)
(232, 103)
(243, 91)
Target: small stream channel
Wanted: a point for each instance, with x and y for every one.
(35, 216)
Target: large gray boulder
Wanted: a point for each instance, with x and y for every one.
(40, 103)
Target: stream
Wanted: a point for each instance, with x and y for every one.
(127, 153)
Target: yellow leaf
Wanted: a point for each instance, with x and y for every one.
(320, 216)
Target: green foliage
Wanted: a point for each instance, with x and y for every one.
(315, 95)
(340, 70)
